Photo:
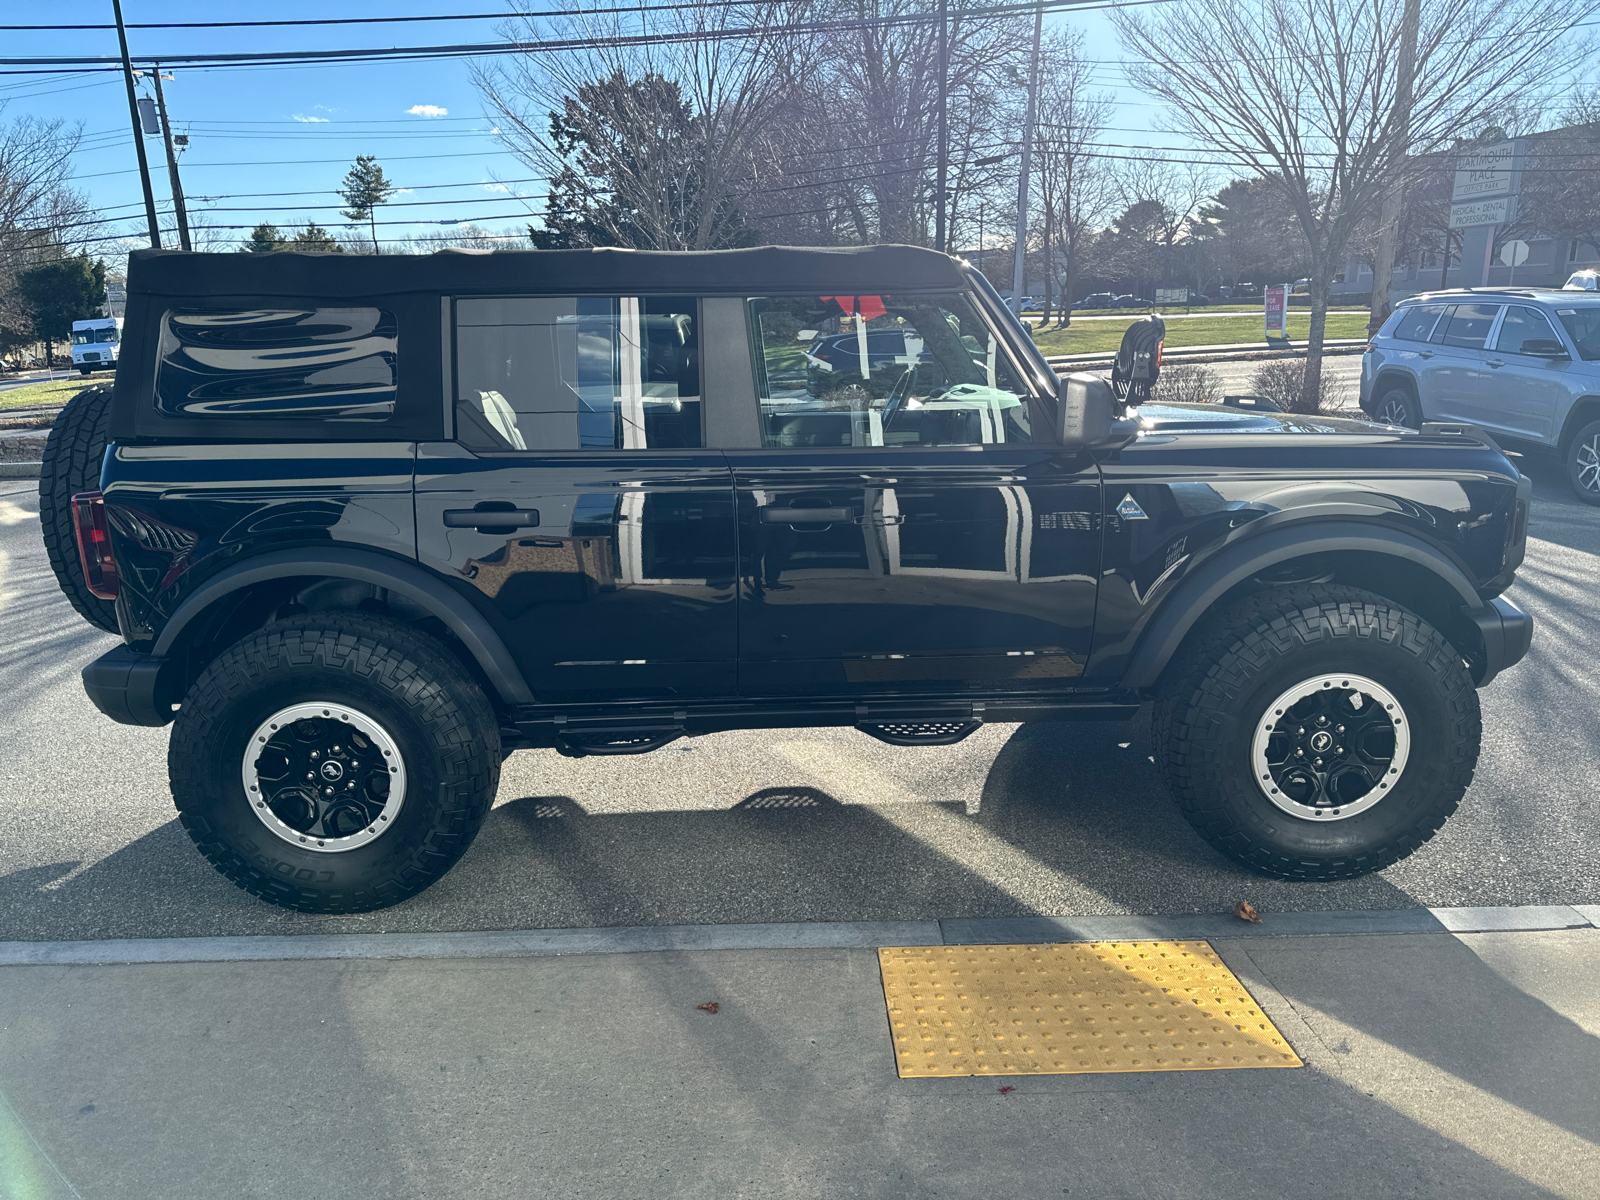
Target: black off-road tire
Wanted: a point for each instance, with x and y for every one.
(1239, 662)
(1583, 463)
(439, 718)
(72, 457)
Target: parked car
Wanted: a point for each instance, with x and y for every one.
(1032, 304)
(1521, 364)
(357, 554)
(1586, 280)
(1096, 300)
(1130, 301)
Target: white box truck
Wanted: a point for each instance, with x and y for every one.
(95, 342)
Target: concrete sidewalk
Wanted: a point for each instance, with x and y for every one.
(1438, 1064)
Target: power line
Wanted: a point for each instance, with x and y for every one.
(557, 45)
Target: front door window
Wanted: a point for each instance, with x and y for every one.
(897, 371)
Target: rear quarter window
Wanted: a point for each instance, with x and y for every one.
(1416, 323)
(327, 364)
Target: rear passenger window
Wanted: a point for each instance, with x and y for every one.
(577, 373)
(334, 364)
(1417, 323)
(1467, 326)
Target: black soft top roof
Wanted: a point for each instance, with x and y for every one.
(861, 269)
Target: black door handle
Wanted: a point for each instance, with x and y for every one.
(1496, 362)
(491, 521)
(807, 516)
(1424, 353)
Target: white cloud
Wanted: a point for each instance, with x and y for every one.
(496, 187)
(305, 120)
(427, 110)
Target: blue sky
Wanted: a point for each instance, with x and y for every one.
(261, 130)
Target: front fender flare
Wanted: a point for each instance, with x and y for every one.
(1207, 583)
(396, 574)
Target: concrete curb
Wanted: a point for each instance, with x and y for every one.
(796, 936)
(20, 470)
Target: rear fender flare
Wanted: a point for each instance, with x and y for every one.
(409, 580)
(1208, 583)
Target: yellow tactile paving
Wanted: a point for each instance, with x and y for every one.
(1080, 1007)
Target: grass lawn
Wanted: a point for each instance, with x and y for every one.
(59, 391)
(1092, 337)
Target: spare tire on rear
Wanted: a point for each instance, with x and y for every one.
(72, 458)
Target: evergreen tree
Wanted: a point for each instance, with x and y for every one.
(314, 237)
(365, 187)
(61, 292)
(263, 239)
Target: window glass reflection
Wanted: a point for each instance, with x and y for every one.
(577, 373)
(324, 363)
(888, 370)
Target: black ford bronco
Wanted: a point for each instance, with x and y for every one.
(367, 524)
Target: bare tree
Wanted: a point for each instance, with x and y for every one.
(1302, 92)
(1167, 196)
(41, 216)
(1073, 185)
(852, 155)
(654, 137)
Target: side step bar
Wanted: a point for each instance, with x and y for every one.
(641, 728)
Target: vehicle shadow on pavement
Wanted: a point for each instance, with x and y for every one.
(1559, 516)
(1070, 818)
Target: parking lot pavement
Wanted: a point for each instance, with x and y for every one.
(1435, 1065)
(792, 825)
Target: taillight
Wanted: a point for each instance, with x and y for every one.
(94, 544)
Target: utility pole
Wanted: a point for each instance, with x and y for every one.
(138, 132)
(1017, 273)
(943, 170)
(1389, 215)
(178, 206)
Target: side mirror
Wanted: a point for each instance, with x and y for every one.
(1544, 348)
(1088, 413)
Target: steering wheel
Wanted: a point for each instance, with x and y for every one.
(897, 397)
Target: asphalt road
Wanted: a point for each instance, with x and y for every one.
(1068, 819)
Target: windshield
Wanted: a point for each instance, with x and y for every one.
(85, 337)
(1583, 327)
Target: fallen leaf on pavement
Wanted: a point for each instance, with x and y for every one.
(710, 1006)
(1246, 911)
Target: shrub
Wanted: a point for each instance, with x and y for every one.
(1187, 383)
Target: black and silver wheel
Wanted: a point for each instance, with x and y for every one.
(1397, 406)
(1318, 733)
(1583, 463)
(334, 763)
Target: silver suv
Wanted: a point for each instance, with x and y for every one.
(1520, 363)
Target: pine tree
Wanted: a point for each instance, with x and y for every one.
(61, 292)
(315, 238)
(263, 239)
(364, 189)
